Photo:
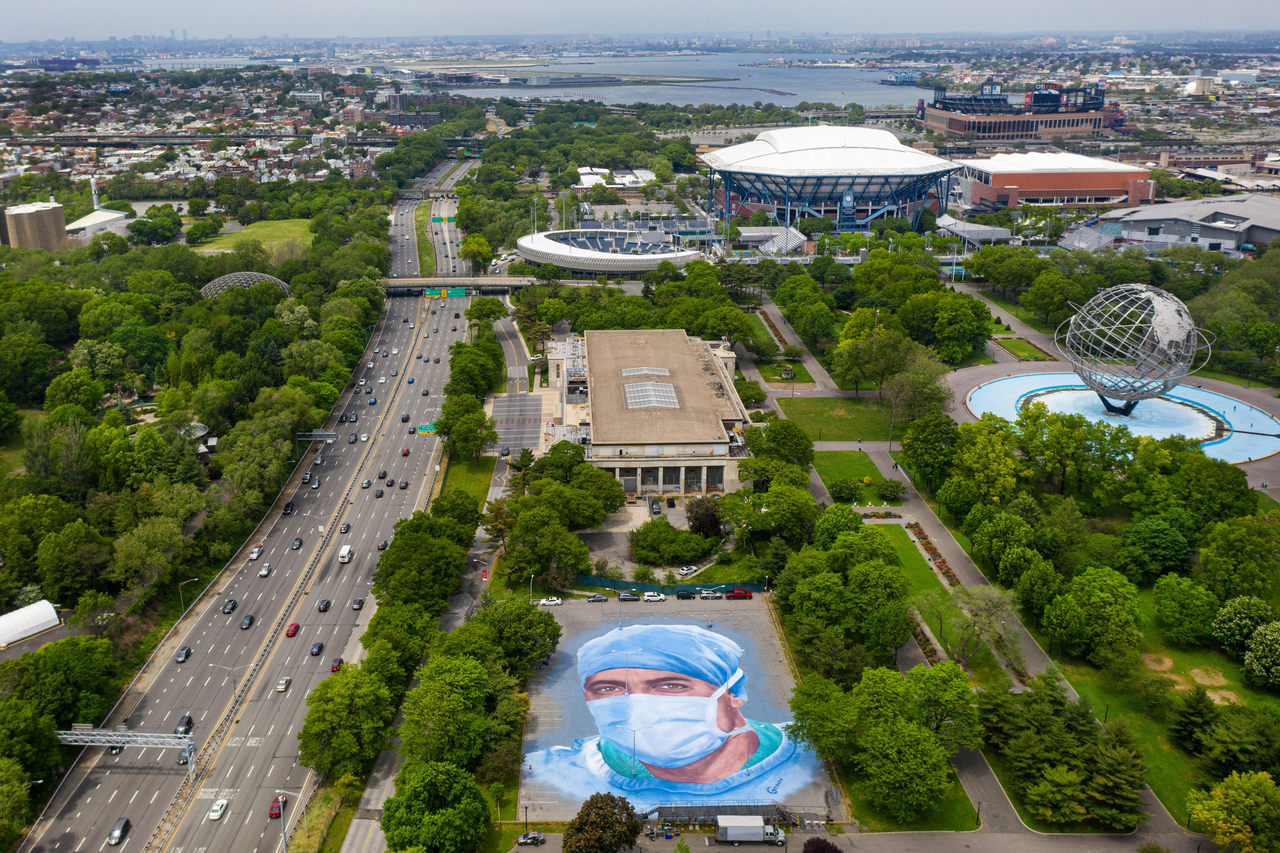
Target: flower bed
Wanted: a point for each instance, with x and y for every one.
(935, 556)
(881, 514)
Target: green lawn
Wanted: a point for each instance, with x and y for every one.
(772, 373)
(1234, 380)
(982, 667)
(1015, 309)
(1023, 349)
(838, 418)
(759, 332)
(848, 464)
(426, 252)
(1266, 503)
(975, 357)
(470, 476)
(270, 233)
(11, 450)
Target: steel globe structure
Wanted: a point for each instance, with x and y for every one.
(1132, 342)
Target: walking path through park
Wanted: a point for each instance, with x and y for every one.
(977, 778)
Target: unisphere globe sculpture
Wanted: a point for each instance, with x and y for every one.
(1130, 343)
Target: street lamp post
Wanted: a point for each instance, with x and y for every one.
(710, 589)
(531, 588)
(620, 605)
(284, 840)
(181, 598)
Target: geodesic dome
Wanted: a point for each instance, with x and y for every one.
(239, 279)
(1131, 342)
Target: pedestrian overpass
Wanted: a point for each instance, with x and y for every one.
(445, 286)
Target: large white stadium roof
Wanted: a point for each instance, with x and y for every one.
(1046, 161)
(823, 150)
(603, 250)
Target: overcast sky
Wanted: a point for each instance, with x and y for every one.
(93, 19)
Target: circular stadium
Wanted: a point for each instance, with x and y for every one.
(851, 175)
(601, 250)
(239, 279)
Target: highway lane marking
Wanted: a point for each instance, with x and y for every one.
(113, 795)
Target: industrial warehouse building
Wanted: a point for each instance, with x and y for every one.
(1059, 179)
(655, 408)
(1218, 223)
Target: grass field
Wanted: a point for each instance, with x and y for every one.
(838, 418)
(974, 358)
(759, 334)
(1266, 503)
(953, 812)
(982, 667)
(1016, 310)
(11, 450)
(1234, 380)
(772, 373)
(269, 233)
(850, 464)
(1022, 349)
(470, 476)
(426, 253)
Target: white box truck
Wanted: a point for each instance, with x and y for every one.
(344, 555)
(736, 829)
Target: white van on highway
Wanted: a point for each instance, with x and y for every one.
(344, 555)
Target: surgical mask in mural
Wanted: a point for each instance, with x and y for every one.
(664, 731)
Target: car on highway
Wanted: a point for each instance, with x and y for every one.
(218, 809)
(256, 552)
(371, 365)
(357, 604)
(382, 380)
(315, 482)
(364, 436)
(404, 417)
(404, 451)
(345, 528)
(385, 353)
(453, 329)
(654, 596)
(317, 649)
(323, 606)
(246, 622)
(709, 593)
(115, 749)
(382, 544)
(550, 601)
(265, 571)
(288, 508)
(410, 380)
(336, 665)
(684, 595)
(395, 350)
(306, 477)
(378, 493)
(404, 484)
(685, 571)
(373, 401)
(435, 360)
(531, 839)
(342, 418)
(628, 596)
(229, 606)
(283, 684)
(183, 655)
(185, 755)
(368, 390)
(382, 474)
(426, 392)
(297, 543)
(395, 372)
(597, 598)
(276, 805)
(292, 630)
(185, 725)
(391, 481)
(361, 383)
(364, 484)
(351, 439)
(355, 417)
(738, 593)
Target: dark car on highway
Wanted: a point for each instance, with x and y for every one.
(324, 605)
(184, 654)
(336, 665)
(297, 543)
(229, 606)
(316, 649)
(246, 622)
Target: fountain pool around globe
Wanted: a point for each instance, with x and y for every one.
(1186, 410)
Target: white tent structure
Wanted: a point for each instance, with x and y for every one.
(27, 622)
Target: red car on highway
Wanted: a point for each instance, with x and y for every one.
(292, 630)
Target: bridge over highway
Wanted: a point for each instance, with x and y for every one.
(441, 285)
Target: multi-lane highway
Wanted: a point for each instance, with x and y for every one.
(404, 371)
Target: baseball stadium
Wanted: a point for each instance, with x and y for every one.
(850, 175)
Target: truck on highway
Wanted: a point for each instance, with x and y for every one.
(344, 555)
(736, 829)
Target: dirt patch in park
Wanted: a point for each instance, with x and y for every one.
(1158, 663)
(1224, 697)
(1179, 681)
(1208, 677)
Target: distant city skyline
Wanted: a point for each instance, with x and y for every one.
(81, 20)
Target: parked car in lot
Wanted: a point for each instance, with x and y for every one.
(686, 571)
(738, 593)
(550, 601)
(684, 595)
(654, 596)
(531, 839)
(628, 596)
(596, 598)
(710, 593)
